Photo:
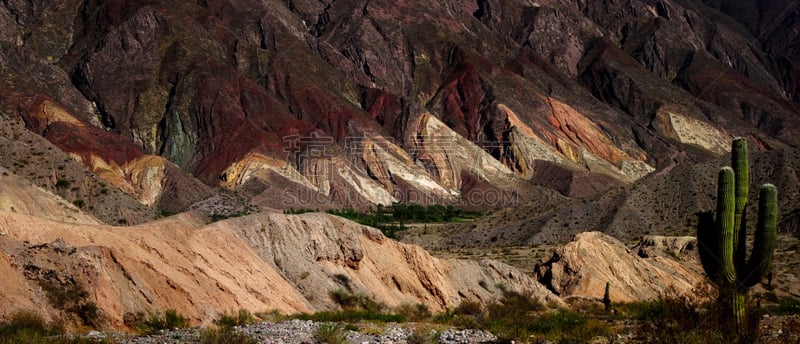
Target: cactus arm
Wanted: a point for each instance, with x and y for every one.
(726, 208)
(741, 170)
(764, 245)
(740, 249)
(708, 245)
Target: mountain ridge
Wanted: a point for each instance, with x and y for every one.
(205, 86)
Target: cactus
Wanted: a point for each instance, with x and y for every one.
(607, 298)
(722, 240)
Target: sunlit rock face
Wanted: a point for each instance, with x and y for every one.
(584, 266)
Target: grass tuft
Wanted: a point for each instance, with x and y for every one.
(330, 333)
(225, 335)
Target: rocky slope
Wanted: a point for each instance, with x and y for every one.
(372, 102)
(664, 204)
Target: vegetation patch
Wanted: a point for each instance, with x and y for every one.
(27, 327)
(350, 315)
(154, 322)
(67, 294)
(520, 318)
(225, 335)
(241, 318)
(395, 217)
(330, 333)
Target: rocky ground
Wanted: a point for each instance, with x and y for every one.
(302, 331)
(774, 329)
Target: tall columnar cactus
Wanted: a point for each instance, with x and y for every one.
(722, 240)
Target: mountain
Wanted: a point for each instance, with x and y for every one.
(350, 103)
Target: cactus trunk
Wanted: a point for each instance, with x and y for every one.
(732, 303)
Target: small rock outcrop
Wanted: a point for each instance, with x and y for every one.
(582, 268)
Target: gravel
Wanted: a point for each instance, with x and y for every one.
(301, 331)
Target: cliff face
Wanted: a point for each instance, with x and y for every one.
(339, 98)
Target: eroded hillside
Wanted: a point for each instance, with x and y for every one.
(266, 261)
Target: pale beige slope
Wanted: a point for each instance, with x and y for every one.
(173, 263)
(321, 253)
(20, 196)
(15, 291)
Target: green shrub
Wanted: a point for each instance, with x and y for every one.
(330, 333)
(417, 312)
(225, 335)
(157, 321)
(348, 300)
(392, 219)
(66, 294)
(787, 306)
(674, 318)
(27, 321)
(423, 335)
(521, 318)
(62, 183)
(469, 308)
(26, 327)
(351, 315)
(240, 318)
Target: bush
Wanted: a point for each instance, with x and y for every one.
(351, 316)
(675, 318)
(67, 294)
(157, 321)
(348, 300)
(26, 327)
(62, 183)
(330, 333)
(241, 318)
(27, 321)
(520, 318)
(787, 306)
(79, 203)
(423, 335)
(225, 335)
(417, 312)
